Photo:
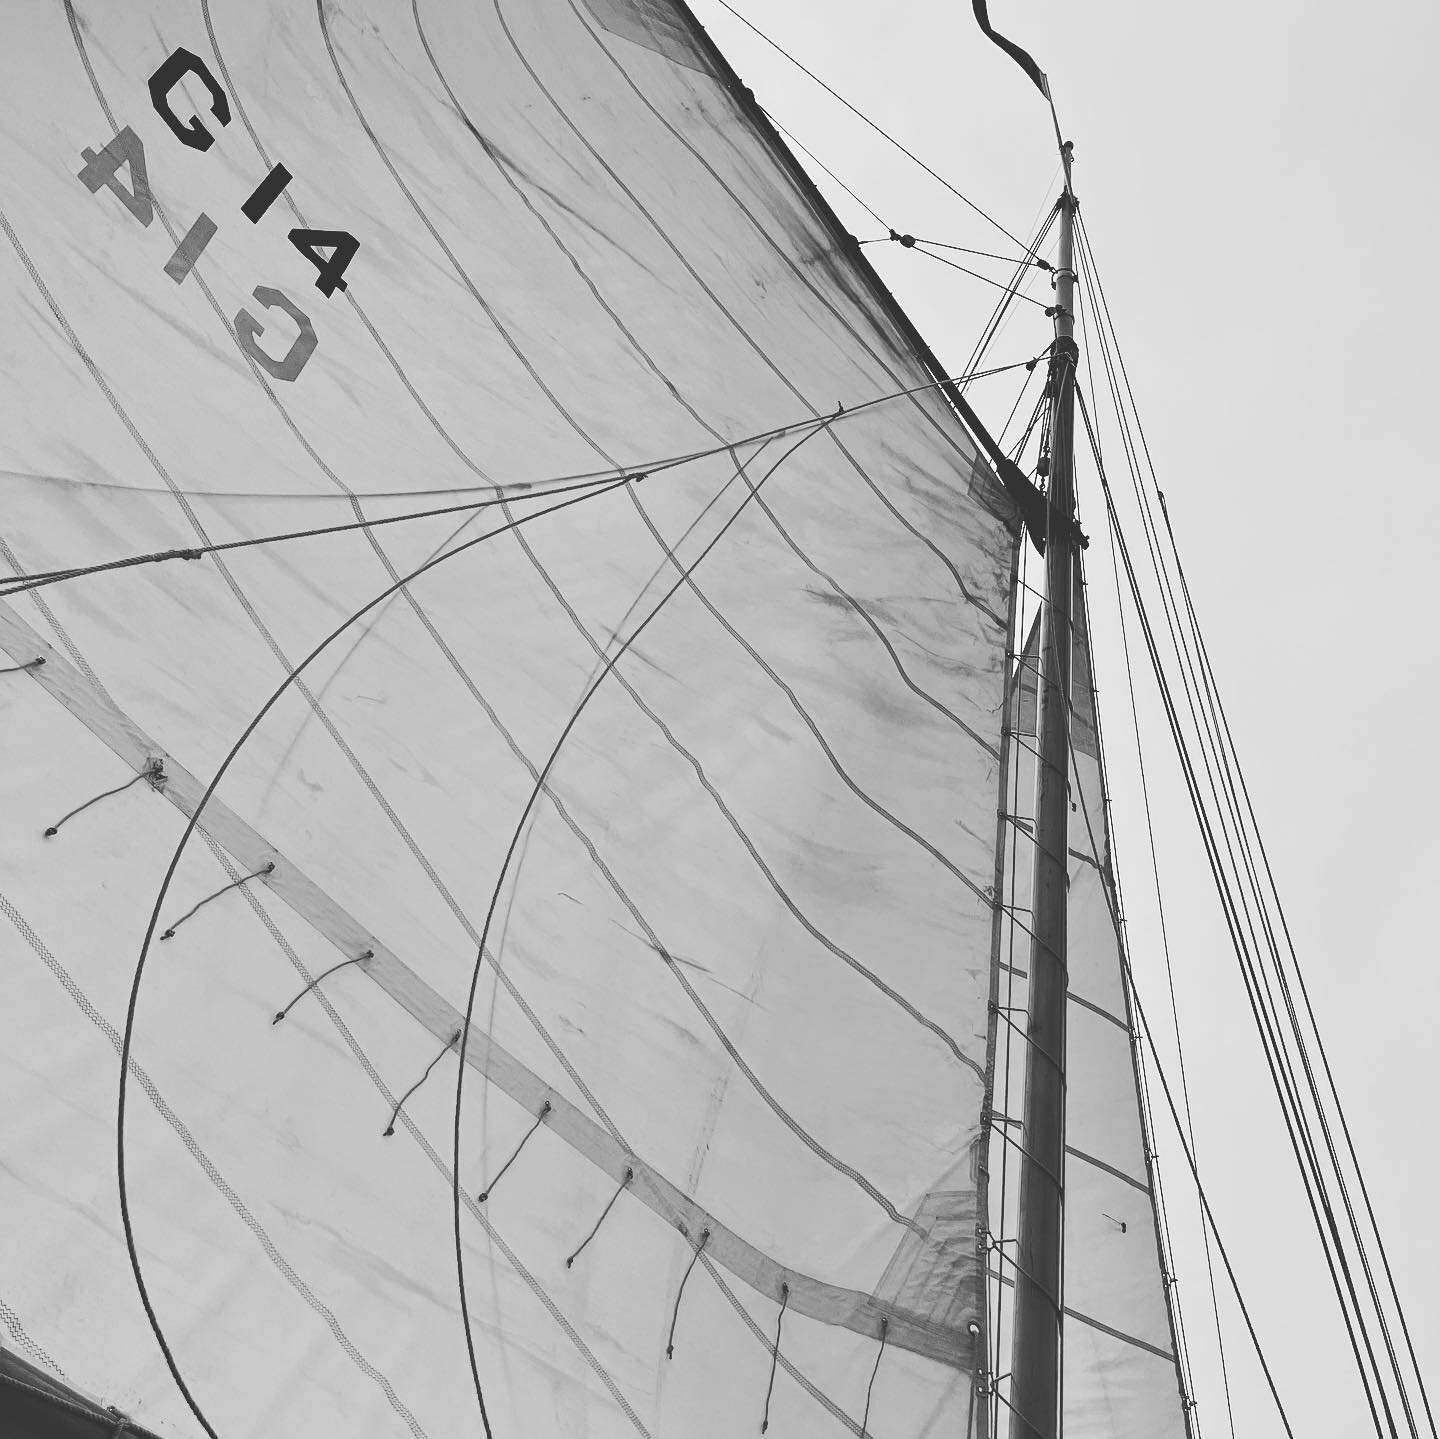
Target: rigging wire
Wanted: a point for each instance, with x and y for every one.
(1235, 775)
(15, 584)
(1022, 273)
(861, 115)
(910, 241)
(23, 583)
(1144, 1025)
(1083, 309)
(537, 789)
(137, 978)
(1241, 832)
(817, 425)
(1175, 1115)
(805, 150)
(919, 248)
(1274, 1060)
(1208, 673)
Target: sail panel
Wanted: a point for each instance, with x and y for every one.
(1121, 1373)
(742, 946)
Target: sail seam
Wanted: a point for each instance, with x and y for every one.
(182, 1132)
(815, 1298)
(799, 1130)
(640, 208)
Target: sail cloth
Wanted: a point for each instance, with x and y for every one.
(729, 1048)
(1120, 1370)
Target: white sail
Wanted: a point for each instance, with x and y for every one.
(1121, 1373)
(738, 977)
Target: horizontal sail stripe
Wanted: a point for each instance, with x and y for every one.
(400, 828)
(1119, 1174)
(1096, 1009)
(1000, 1277)
(827, 1303)
(1144, 1344)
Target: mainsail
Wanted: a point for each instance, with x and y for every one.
(682, 784)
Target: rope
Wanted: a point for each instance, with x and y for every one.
(679, 1293)
(1207, 838)
(537, 789)
(594, 484)
(860, 115)
(400, 1103)
(907, 241)
(629, 1175)
(539, 1120)
(224, 889)
(21, 584)
(805, 150)
(976, 275)
(775, 1355)
(1164, 929)
(992, 327)
(1273, 1005)
(870, 1388)
(358, 959)
(28, 665)
(154, 772)
(1179, 1128)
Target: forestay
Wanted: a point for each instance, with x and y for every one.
(738, 975)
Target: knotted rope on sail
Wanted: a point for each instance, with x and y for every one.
(154, 772)
(224, 889)
(679, 1293)
(539, 1120)
(400, 1103)
(358, 959)
(624, 1183)
(775, 1355)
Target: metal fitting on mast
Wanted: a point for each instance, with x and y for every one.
(1035, 1368)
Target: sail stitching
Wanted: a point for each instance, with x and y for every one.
(299, 1285)
(625, 683)
(815, 1298)
(774, 1104)
(724, 310)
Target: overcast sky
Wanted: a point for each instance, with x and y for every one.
(1259, 185)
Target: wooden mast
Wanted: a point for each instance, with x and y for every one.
(1035, 1365)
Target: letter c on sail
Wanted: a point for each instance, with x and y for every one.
(167, 77)
(249, 329)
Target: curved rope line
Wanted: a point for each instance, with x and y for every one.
(535, 792)
(856, 339)
(728, 814)
(132, 1006)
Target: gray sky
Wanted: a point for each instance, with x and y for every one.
(1257, 182)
